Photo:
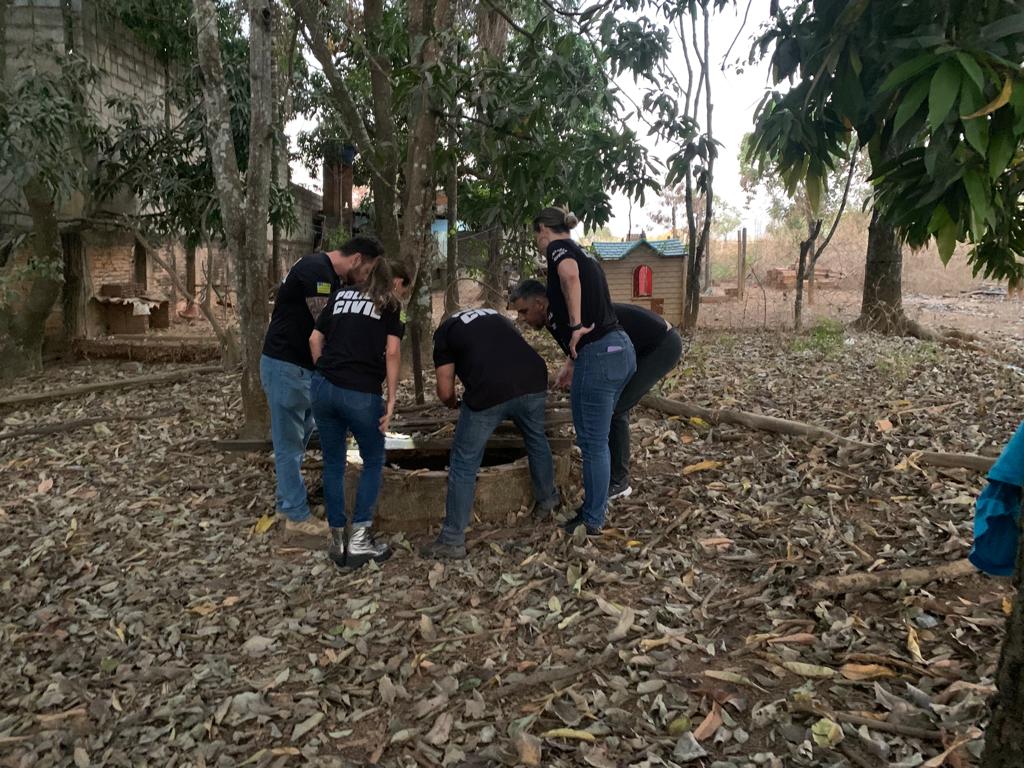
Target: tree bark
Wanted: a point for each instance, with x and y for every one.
(882, 301)
(190, 272)
(451, 272)
(806, 259)
(23, 323)
(244, 205)
(75, 296)
(1004, 738)
(494, 291)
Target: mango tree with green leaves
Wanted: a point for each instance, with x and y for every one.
(934, 92)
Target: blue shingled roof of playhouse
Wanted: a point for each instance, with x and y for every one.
(616, 251)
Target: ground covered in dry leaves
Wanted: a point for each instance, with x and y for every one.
(145, 621)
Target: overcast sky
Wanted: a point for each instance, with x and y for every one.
(734, 94)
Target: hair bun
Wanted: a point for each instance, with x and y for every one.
(570, 220)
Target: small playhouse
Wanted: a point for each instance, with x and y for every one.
(648, 273)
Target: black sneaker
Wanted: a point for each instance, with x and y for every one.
(438, 550)
(619, 490)
(570, 526)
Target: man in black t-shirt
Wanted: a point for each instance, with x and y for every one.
(502, 378)
(658, 349)
(286, 366)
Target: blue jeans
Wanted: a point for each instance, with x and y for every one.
(286, 386)
(601, 372)
(472, 432)
(339, 411)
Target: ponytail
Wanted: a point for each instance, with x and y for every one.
(555, 219)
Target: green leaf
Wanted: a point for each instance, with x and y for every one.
(945, 238)
(977, 191)
(1001, 146)
(907, 70)
(942, 93)
(972, 68)
(1004, 27)
(976, 133)
(911, 102)
(813, 186)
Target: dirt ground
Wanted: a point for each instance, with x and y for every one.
(150, 616)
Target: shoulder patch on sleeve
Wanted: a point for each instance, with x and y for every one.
(323, 289)
(403, 316)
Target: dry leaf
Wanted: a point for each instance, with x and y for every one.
(884, 425)
(264, 524)
(913, 645)
(44, 486)
(701, 466)
(529, 748)
(709, 724)
(815, 671)
(427, 631)
(568, 733)
(865, 671)
(799, 638)
(626, 620)
(826, 733)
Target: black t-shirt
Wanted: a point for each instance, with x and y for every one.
(595, 300)
(311, 277)
(494, 363)
(645, 329)
(356, 340)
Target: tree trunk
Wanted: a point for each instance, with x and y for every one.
(691, 264)
(494, 291)
(1004, 738)
(244, 204)
(23, 323)
(806, 260)
(882, 302)
(451, 271)
(190, 271)
(252, 259)
(75, 296)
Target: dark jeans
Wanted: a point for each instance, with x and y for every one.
(339, 411)
(472, 432)
(650, 369)
(291, 423)
(602, 369)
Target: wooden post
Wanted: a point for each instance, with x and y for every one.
(741, 262)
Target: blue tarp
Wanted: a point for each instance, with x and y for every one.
(997, 513)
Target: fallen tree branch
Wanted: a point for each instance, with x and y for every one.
(865, 581)
(551, 675)
(877, 725)
(70, 426)
(715, 416)
(67, 393)
(966, 460)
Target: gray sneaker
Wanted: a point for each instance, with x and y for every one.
(438, 550)
(619, 490)
(362, 547)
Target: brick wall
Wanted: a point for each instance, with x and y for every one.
(127, 70)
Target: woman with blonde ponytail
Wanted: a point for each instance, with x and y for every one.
(356, 345)
(600, 358)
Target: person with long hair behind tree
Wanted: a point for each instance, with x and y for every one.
(356, 346)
